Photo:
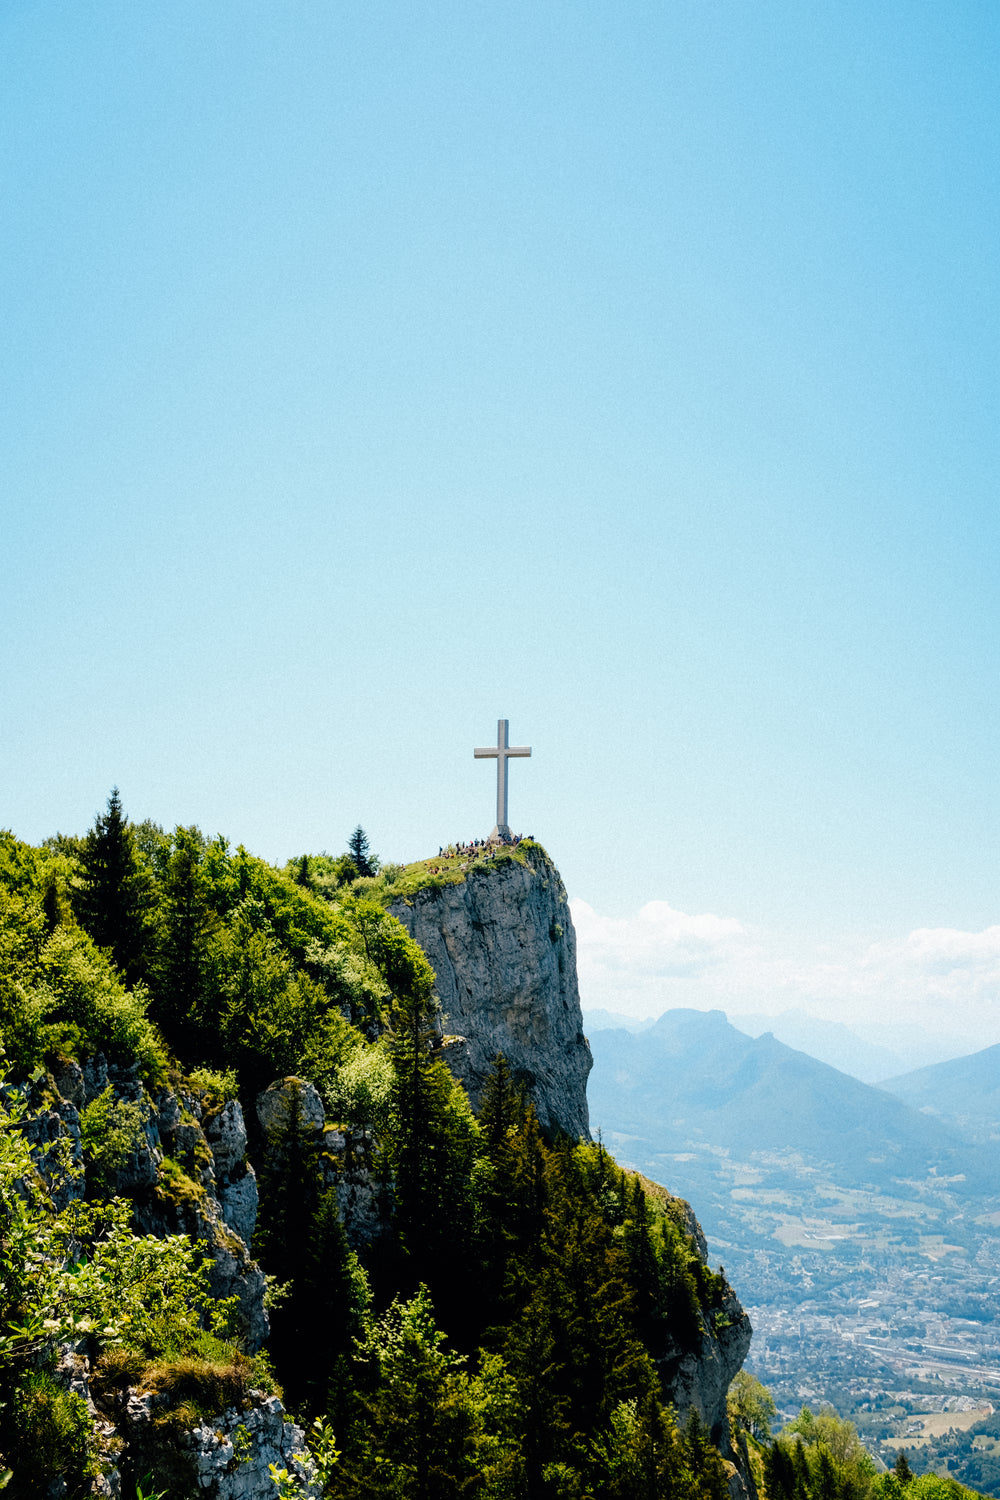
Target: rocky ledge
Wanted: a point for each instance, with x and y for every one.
(502, 946)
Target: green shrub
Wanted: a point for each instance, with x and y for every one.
(177, 1186)
(363, 1090)
(52, 1429)
(216, 1087)
(87, 992)
(111, 1131)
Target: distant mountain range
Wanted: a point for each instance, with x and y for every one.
(692, 1082)
(823, 1195)
(871, 1052)
(964, 1091)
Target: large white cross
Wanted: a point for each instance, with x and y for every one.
(501, 755)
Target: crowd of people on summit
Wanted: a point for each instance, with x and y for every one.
(478, 849)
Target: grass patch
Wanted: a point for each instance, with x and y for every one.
(175, 1186)
(200, 1384)
(442, 870)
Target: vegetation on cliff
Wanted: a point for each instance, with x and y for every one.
(497, 1336)
(819, 1456)
(506, 1327)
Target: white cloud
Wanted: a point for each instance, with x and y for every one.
(942, 979)
(659, 942)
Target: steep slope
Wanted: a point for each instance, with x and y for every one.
(965, 1091)
(502, 946)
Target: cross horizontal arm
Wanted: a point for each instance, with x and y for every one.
(486, 754)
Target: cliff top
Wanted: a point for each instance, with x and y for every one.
(451, 867)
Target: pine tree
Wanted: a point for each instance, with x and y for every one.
(115, 900)
(290, 1194)
(501, 1125)
(329, 1301)
(187, 927)
(780, 1473)
(901, 1468)
(644, 1269)
(357, 848)
(418, 1437)
(431, 1143)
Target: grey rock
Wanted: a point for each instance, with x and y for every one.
(126, 1082)
(240, 1203)
(226, 1134)
(503, 950)
(231, 1271)
(141, 1167)
(53, 1135)
(362, 1196)
(288, 1099)
(68, 1076)
(227, 1457)
(184, 1138)
(701, 1377)
(95, 1076)
(168, 1113)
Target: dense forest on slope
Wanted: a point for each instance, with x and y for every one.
(493, 1338)
(504, 1323)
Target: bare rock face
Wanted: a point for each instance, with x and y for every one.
(226, 1458)
(502, 946)
(701, 1377)
(699, 1374)
(286, 1102)
(362, 1194)
(345, 1157)
(235, 1179)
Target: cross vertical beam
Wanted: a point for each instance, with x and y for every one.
(501, 754)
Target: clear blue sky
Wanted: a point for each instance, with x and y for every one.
(629, 370)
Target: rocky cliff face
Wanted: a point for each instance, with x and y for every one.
(700, 1377)
(217, 1203)
(502, 946)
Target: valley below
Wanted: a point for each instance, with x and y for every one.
(864, 1248)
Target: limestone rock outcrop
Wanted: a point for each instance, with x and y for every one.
(701, 1377)
(502, 946)
(226, 1458)
(215, 1200)
(346, 1157)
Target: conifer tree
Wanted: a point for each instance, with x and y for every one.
(803, 1478)
(115, 897)
(290, 1193)
(501, 1125)
(419, 1434)
(706, 1464)
(358, 849)
(188, 923)
(431, 1140)
(330, 1298)
(644, 1269)
(780, 1473)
